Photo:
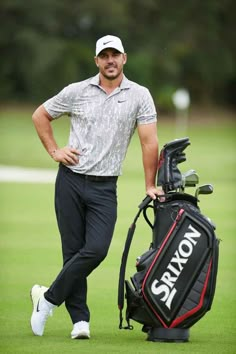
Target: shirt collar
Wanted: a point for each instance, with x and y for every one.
(125, 83)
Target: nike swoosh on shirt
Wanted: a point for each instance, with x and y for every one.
(120, 101)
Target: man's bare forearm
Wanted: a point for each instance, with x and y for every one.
(42, 122)
(149, 143)
(150, 163)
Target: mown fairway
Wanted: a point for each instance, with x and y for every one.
(30, 245)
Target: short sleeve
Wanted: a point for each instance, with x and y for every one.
(147, 111)
(61, 103)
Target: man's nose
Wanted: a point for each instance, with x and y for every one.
(110, 59)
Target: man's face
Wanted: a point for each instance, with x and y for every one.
(110, 63)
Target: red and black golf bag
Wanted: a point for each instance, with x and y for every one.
(175, 279)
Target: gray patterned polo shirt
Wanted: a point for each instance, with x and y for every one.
(101, 124)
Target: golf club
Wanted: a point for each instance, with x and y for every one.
(189, 179)
(204, 189)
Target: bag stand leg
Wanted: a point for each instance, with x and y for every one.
(168, 335)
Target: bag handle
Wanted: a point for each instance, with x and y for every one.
(146, 216)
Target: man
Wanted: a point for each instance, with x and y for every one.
(104, 112)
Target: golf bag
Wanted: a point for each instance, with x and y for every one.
(175, 280)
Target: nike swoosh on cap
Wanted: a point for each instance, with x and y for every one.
(104, 43)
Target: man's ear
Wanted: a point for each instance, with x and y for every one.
(96, 61)
(125, 58)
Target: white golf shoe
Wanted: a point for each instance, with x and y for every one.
(41, 309)
(80, 330)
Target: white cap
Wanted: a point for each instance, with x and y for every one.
(109, 42)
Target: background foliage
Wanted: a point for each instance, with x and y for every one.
(46, 44)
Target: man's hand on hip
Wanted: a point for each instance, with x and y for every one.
(66, 155)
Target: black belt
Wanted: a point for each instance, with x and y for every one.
(99, 178)
(92, 178)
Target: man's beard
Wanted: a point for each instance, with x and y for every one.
(112, 76)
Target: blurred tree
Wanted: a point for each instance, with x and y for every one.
(46, 44)
(192, 44)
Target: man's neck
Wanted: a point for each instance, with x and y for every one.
(110, 85)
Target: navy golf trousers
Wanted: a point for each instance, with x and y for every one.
(86, 210)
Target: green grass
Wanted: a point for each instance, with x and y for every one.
(30, 244)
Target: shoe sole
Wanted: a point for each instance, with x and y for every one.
(81, 336)
(34, 307)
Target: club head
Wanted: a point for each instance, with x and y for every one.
(204, 189)
(190, 179)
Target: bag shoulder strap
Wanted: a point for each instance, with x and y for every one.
(124, 258)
